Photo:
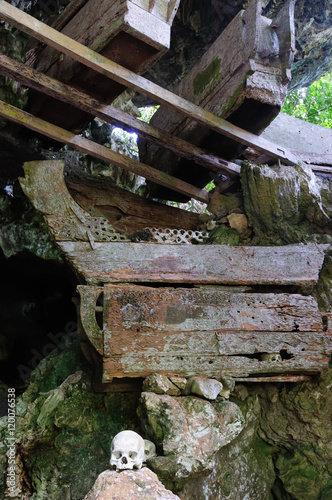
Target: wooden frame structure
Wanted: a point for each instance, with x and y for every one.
(220, 305)
(185, 309)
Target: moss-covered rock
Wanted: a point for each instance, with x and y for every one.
(64, 429)
(223, 235)
(12, 43)
(286, 204)
(23, 228)
(296, 420)
(323, 289)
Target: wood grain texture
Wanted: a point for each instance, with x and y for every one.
(126, 77)
(58, 90)
(211, 331)
(205, 264)
(132, 365)
(86, 146)
(133, 309)
(121, 30)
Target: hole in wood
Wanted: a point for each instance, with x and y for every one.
(99, 310)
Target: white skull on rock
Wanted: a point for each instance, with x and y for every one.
(127, 451)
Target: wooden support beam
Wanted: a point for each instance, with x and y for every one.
(102, 65)
(53, 88)
(84, 145)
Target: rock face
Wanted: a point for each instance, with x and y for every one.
(285, 204)
(63, 428)
(189, 431)
(297, 422)
(140, 484)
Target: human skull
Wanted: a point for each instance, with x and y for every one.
(275, 356)
(127, 450)
(149, 450)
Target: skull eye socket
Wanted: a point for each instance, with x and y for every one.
(133, 455)
(117, 454)
(147, 452)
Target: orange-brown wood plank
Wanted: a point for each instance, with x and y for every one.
(134, 310)
(142, 365)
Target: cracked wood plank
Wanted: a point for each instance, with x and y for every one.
(112, 70)
(132, 365)
(209, 331)
(86, 146)
(205, 264)
(133, 309)
(58, 90)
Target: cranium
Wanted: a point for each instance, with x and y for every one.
(275, 356)
(127, 450)
(149, 450)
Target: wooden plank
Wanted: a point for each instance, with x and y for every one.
(45, 186)
(132, 365)
(206, 264)
(69, 12)
(233, 81)
(53, 88)
(126, 77)
(128, 212)
(80, 143)
(169, 343)
(274, 379)
(162, 312)
(122, 31)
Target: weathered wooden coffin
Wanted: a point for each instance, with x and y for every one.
(132, 33)
(211, 331)
(243, 77)
(185, 309)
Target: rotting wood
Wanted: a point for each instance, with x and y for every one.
(167, 310)
(126, 77)
(132, 365)
(40, 82)
(86, 146)
(122, 30)
(209, 264)
(128, 212)
(275, 379)
(212, 331)
(237, 78)
(125, 211)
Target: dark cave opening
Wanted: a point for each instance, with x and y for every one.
(36, 311)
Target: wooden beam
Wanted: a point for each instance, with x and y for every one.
(84, 145)
(53, 88)
(205, 264)
(97, 62)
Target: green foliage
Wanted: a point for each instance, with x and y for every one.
(312, 104)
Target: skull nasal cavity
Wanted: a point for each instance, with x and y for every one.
(124, 460)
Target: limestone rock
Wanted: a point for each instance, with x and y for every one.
(240, 223)
(286, 204)
(160, 384)
(189, 427)
(228, 386)
(140, 484)
(223, 204)
(208, 388)
(297, 421)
